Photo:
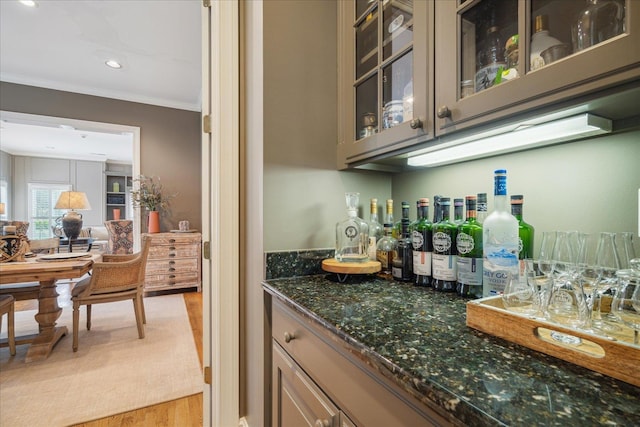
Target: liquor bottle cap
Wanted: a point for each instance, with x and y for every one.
(424, 201)
(500, 171)
(541, 23)
(445, 201)
(458, 202)
(482, 197)
(517, 199)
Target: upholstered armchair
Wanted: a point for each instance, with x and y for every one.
(120, 239)
(116, 278)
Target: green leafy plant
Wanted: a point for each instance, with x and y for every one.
(149, 194)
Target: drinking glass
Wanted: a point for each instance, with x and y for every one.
(564, 256)
(545, 258)
(626, 249)
(587, 267)
(519, 294)
(626, 303)
(541, 284)
(608, 262)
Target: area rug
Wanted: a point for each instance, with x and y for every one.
(112, 372)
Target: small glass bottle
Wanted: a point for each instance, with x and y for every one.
(352, 234)
(387, 252)
(375, 230)
(422, 240)
(499, 241)
(490, 60)
(458, 211)
(403, 263)
(481, 207)
(469, 246)
(443, 261)
(526, 231)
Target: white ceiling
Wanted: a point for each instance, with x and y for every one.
(64, 44)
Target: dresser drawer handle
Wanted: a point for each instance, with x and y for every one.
(172, 248)
(321, 423)
(172, 262)
(172, 269)
(172, 276)
(172, 240)
(288, 337)
(172, 255)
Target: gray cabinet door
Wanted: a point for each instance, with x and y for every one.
(465, 29)
(297, 401)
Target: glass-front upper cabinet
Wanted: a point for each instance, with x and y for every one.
(496, 58)
(385, 90)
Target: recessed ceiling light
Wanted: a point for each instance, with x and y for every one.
(29, 3)
(113, 64)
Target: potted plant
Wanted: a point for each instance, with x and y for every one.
(149, 193)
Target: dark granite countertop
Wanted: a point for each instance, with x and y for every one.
(418, 337)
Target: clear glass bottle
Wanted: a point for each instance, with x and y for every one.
(598, 21)
(469, 246)
(443, 261)
(541, 40)
(403, 263)
(375, 230)
(422, 240)
(387, 252)
(499, 241)
(526, 231)
(490, 60)
(352, 234)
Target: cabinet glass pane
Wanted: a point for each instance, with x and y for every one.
(485, 30)
(367, 44)
(560, 28)
(367, 107)
(362, 6)
(397, 91)
(397, 28)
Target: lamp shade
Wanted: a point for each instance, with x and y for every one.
(74, 200)
(72, 221)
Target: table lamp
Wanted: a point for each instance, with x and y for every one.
(72, 220)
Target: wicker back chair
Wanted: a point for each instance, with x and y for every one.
(116, 278)
(31, 290)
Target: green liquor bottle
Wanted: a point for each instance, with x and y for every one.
(458, 211)
(525, 231)
(469, 246)
(422, 241)
(443, 260)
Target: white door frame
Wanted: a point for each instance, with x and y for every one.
(220, 213)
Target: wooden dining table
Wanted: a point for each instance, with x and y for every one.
(46, 272)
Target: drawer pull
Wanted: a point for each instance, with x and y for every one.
(172, 269)
(288, 337)
(321, 423)
(172, 276)
(172, 262)
(172, 240)
(172, 255)
(172, 248)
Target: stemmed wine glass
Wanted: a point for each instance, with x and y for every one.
(626, 303)
(608, 262)
(546, 262)
(627, 251)
(587, 268)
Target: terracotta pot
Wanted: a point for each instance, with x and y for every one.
(116, 214)
(153, 222)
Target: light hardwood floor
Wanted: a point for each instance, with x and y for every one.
(184, 412)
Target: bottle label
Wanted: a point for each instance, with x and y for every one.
(498, 265)
(470, 271)
(441, 242)
(351, 232)
(372, 248)
(422, 263)
(500, 185)
(487, 75)
(465, 243)
(444, 267)
(417, 240)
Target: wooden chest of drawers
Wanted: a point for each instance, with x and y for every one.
(174, 261)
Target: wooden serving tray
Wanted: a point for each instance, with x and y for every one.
(616, 357)
(332, 265)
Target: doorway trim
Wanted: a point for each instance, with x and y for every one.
(93, 127)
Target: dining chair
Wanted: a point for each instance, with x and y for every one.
(115, 278)
(7, 306)
(120, 239)
(30, 290)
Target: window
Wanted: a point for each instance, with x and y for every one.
(42, 215)
(4, 198)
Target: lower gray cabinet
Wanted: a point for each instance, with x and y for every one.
(316, 382)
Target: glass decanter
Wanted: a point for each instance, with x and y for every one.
(352, 234)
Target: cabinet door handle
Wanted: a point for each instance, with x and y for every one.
(321, 423)
(444, 112)
(416, 124)
(288, 337)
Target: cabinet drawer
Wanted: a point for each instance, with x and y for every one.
(174, 239)
(174, 251)
(173, 278)
(167, 266)
(356, 388)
